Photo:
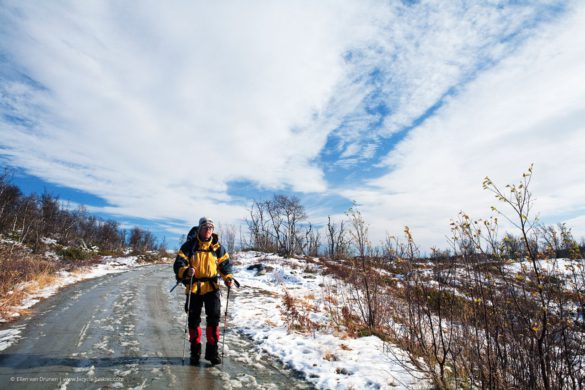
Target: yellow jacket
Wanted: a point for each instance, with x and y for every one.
(208, 259)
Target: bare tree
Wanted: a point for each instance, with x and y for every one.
(9, 196)
(135, 238)
(228, 236)
(258, 227)
(108, 236)
(274, 209)
(293, 214)
(275, 224)
(359, 231)
(311, 242)
(337, 244)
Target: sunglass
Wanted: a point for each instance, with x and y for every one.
(207, 227)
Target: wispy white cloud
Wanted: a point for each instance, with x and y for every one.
(422, 53)
(528, 109)
(156, 109)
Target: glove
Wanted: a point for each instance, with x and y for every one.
(228, 282)
(189, 272)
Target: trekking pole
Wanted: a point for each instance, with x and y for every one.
(225, 320)
(187, 322)
(175, 286)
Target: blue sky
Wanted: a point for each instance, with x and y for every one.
(156, 115)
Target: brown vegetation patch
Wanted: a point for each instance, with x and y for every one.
(270, 323)
(19, 266)
(296, 314)
(21, 273)
(330, 356)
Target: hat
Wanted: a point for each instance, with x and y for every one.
(205, 221)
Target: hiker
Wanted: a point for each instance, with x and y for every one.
(201, 258)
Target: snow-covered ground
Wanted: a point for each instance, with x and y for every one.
(64, 278)
(327, 357)
(565, 268)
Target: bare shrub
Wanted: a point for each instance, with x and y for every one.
(296, 314)
(337, 242)
(477, 321)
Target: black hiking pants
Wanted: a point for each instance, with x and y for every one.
(212, 309)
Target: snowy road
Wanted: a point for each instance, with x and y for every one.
(126, 331)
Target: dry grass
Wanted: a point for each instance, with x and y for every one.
(330, 356)
(8, 301)
(270, 323)
(345, 347)
(307, 306)
(19, 267)
(342, 334)
(40, 281)
(22, 273)
(331, 299)
(296, 314)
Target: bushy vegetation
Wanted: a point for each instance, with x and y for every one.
(492, 311)
(495, 313)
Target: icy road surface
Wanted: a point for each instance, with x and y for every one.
(126, 331)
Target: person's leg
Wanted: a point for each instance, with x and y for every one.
(212, 311)
(194, 328)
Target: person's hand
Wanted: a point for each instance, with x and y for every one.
(228, 282)
(189, 272)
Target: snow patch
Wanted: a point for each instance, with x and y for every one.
(9, 337)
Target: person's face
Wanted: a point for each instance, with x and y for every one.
(205, 232)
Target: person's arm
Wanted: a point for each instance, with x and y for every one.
(182, 262)
(225, 265)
